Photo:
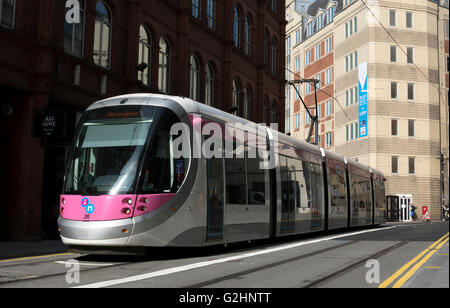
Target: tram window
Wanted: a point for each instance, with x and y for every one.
(336, 181)
(284, 170)
(235, 177)
(162, 173)
(299, 178)
(256, 181)
(316, 185)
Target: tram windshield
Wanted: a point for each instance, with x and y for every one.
(110, 147)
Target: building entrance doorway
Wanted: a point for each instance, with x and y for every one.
(399, 207)
(54, 167)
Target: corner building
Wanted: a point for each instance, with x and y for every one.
(227, 54)
(405, 47)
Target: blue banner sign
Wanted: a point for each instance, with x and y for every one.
(362, 85)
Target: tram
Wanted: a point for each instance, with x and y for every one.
(127, 187)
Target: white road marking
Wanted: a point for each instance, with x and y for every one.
(188, 267)
(81, 263)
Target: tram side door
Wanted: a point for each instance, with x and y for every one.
(215, 199)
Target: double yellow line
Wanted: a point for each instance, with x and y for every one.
(429, 252)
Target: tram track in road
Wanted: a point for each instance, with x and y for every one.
(267, 266)
(335, 275)
(315, 283)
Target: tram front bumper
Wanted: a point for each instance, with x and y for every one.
(95, 233)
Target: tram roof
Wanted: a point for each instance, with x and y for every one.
(190, 106)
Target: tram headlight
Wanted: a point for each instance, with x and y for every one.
(126, 211)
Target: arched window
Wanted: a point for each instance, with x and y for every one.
(194, 79)
(237, 27)
(102, 35)
(248, 35)
(273, 112)
(209, 86)
(145, 52)
(247, 102)
(274, 56)
(73, 32)
(236, 98)
(164, 66)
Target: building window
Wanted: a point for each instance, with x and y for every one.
(102, 35)
(393, 53)
(446, 29)
(274, 56)
(298, 36)
(211, 14)
(194, 70)
(297, 63)
(394, 164)
(328, 76)
(248, 36)
(164, 66)
(411, 165)
(392, 18)
(274, 6)
(329, 140)
(307, 117)
(236, 97)
(410, 91)
(319, 111)
(308, 57)
(410, 54)
(297, 120)
(145, 50)
(73, 32)
(409, 20)
(7, 8)
(411, 128)
(328, 45)
(209, 86)
(265, 109)
(394, 90)
(196, 8)
(351, 132)
(273, 112)
(329, 108)
(317, 52)
(266, 49)
(237, 27)
(394, 127)
(351, 61)
(307, 88)
(247, 102)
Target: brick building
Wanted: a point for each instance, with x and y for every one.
(219, 52)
